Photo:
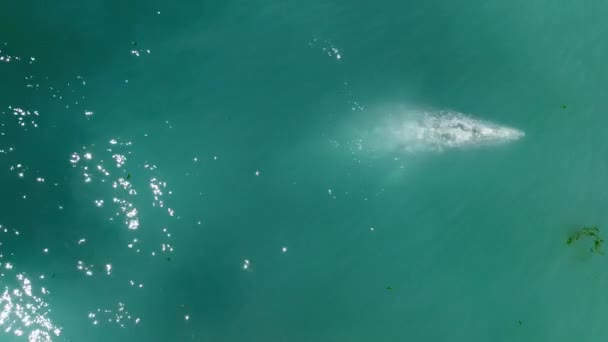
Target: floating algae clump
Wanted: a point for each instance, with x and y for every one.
(592, 232)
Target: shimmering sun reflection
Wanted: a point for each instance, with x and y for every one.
(86, 269)
(23, 312)
(115, 168)
(327, 47)
(120, 316)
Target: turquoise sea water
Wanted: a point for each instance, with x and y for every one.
(302, 171)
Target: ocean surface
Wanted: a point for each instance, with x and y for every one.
(303, 170)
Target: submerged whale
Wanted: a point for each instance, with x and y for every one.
(444, 130)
